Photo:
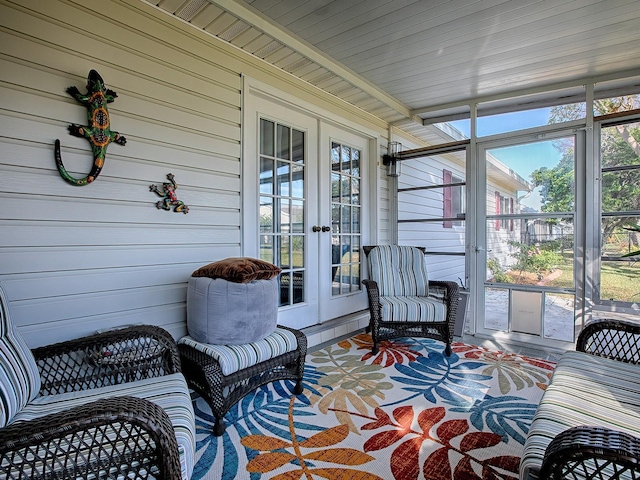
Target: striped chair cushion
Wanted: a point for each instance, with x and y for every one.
(412, 309)
(584, 390)
(233, 358)
(398, 270)
(170, 392)
(19, 375)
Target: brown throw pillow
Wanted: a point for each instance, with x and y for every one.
(239, 270)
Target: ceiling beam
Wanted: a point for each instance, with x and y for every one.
(452, 110)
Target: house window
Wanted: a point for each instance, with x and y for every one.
(453, 199)
(504, 205)
(458, 200)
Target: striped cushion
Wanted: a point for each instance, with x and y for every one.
(19, 375)
(584, 390)
(233, 358)
(412, 309)
(398, 270)
(169, 392)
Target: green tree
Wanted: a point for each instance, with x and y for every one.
(620, 145)
(557, 184)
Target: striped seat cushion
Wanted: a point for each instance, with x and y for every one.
(398, 270)
(170, 392)
(412, 309)
(19, 375)
(233, 358)
(584, 390)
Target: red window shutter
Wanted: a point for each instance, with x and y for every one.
(511, 211)
(447, 199)
(496, 222)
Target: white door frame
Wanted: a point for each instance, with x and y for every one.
(478, 252)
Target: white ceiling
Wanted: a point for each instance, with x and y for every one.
(401, 59)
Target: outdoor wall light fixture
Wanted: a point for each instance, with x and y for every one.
(390, 159)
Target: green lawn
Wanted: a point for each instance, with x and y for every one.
(620, 280)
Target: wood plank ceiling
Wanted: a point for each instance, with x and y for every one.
(401, 59)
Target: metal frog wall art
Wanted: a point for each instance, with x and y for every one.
(98, 132)
(169, 196)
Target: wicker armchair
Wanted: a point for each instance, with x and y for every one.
(111, 405)
(592, 400)
(403, 302)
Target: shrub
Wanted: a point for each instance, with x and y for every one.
(496, 270)
(535, 258)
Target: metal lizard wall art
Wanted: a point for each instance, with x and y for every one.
(98, 132)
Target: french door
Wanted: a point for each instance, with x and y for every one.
(342, 190)
(527, 237)
(303, 208)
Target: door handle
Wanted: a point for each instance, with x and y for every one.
(316, 228)
(326, 228)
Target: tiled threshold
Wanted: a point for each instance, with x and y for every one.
(324, 334)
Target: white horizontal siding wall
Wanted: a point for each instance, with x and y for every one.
(418, 204)
(429, 204)
(498, 239)
(77, 259)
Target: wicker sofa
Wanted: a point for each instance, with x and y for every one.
(587, 425)
(111, 405)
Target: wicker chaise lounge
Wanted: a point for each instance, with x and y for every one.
(587, 425)
(111, 405)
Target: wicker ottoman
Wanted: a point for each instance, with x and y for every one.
(223, 374)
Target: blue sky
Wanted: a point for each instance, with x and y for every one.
(525, 158)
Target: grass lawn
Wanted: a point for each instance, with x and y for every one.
(619, 280)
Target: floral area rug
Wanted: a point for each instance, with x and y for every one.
(408, 412)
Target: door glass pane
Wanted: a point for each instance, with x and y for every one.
(285, 216)
(266, 215)
(620, 217)
(266, 137)
(266, 175)
(297, 216)
(346, 159)
(285, 251)
(297, 251)
(284, 149)
(530, 237)
(345, 238)
(346, 219)
(282, 206)
(297, 145)
(283, 181)
(355, 163)
(297, 181)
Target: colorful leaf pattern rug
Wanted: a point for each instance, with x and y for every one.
(408, 412)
